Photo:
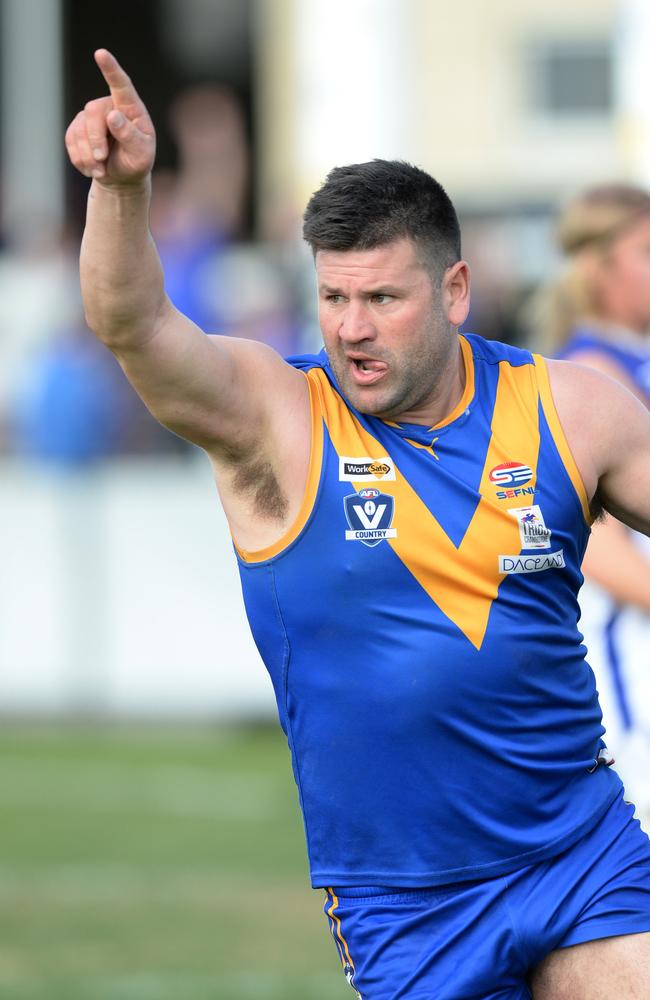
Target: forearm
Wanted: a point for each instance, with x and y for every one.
(121, 277)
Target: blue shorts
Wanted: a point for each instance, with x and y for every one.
(480, 940)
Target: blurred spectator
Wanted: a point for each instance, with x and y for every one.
(256, 301)
(207, 124)
(197, 212)
(73, 406)
(63, 398)
(598, 314)
(295, 269)
(39, 292)
(70, 409)
(491, 247)
(198, 218)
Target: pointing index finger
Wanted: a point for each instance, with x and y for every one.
(122, 90)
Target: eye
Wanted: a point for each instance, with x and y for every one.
(334, 298)
(381, 298)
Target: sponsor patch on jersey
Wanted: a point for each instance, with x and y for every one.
(369, 514)
(519, 492)
(533, 532)
(533, 563)
(357, 469)
(511, 474)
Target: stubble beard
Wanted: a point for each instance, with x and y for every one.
(411, 383)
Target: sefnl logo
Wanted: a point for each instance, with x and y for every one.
(511, 474)
(369, 514)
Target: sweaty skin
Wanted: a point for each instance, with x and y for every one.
(391, 335)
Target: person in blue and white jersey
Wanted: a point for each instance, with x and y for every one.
(598, 314)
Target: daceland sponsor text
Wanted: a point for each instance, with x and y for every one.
(532, 564)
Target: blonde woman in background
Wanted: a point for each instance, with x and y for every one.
(598, 314)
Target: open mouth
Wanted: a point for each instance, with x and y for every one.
(366, 371)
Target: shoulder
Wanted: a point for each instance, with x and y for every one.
(494, 351)
(584, 394)
(596, 412)
(307, 362)
(584, 384)
(595, 357)
(257, 366)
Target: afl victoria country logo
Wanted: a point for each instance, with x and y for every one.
(369, 514)
(511, 474)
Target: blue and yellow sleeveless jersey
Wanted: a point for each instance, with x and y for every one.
(419, 623)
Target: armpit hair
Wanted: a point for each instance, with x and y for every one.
(596, 508)
(256, 479)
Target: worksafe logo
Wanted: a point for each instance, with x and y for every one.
(533, 532)
(353, 470)
(369, 514)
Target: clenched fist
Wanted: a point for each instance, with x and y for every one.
(113, 138)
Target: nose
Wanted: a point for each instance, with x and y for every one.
(356, 324)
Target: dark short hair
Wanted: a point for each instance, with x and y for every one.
(366, 205)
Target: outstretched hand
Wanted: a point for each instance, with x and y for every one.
(113, 138)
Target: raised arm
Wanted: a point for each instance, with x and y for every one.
(230, 396)
(608, 431)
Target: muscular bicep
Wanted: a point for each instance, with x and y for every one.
(624, 484)
(217, 392)
(608, 431)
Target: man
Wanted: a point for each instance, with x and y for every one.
(410, 511)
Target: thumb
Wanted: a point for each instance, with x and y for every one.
(134, 149)
(121, 128)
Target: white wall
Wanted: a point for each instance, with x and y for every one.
(443, 85)
(119, 594)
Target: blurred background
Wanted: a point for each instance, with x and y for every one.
(151, 845)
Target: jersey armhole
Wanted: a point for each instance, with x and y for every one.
(559, 437)
(311, 486)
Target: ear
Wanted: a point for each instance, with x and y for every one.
(455, 292)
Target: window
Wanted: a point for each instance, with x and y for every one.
(569, 79)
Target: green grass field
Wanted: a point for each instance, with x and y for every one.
(156, 864)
